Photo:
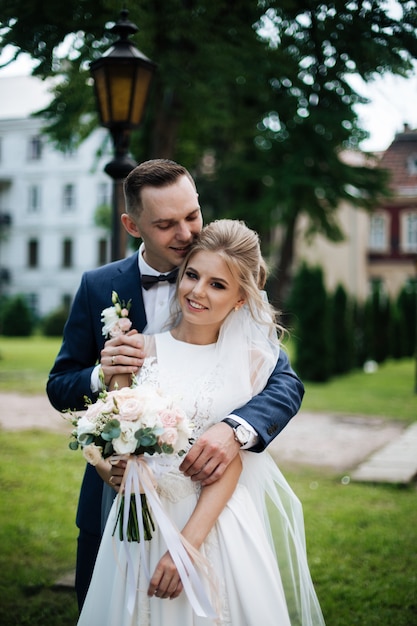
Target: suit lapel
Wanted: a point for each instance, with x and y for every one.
(126, 282)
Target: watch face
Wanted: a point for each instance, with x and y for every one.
(242, 435)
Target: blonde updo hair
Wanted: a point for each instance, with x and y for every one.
(239, 247)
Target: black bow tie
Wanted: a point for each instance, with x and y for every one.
(149, 280)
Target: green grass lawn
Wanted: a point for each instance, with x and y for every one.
(389, 392)
(25, 363)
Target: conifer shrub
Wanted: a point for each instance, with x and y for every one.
(309, 307)
(17, 319)
(341, 329)
(377, 325)
(53, 323)
(407, 305)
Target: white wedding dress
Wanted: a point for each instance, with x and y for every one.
(254, 585)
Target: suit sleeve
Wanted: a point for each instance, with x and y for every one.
(69, 379)
(271, 410)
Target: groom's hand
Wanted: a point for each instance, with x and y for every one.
(211, 454)
(123, 354)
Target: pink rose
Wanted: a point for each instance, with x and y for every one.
(121, 327)
(169, 436)
(125, 324)
(168, 418)
(95, 410)
(129, 404)
(172, 417)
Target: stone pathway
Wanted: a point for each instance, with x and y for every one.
(394, 463)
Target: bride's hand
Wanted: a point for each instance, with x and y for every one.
(111, 473)
(165, 582)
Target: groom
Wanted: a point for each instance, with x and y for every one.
(163, 210)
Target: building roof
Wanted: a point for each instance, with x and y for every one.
(23, 95)
(400, 159)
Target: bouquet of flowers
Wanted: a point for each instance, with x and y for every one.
(136, 420)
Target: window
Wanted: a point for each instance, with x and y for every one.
(33, 253)
(66, 301)
(378, 233)
(103, 194)
(32, 300)
(412, 164)
(409, 232)
(35, 148)
(67, 253)
(102, 251)
(68, 197)
(34, 199)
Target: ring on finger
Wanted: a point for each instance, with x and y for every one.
(111, 480)
(112, 360)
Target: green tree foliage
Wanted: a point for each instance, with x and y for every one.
(377, 325)
(17, 319)
(103, 217)
(359, 335)
(407, 305)
(53, 324)
(309, 306)
(397, 332)
(254, 97)
(341, 331)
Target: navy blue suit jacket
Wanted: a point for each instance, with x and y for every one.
(69, 379)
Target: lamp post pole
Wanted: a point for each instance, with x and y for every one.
(122, 77)
(118, 168)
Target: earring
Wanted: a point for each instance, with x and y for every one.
(237, 307)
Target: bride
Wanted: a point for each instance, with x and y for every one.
(219, 353)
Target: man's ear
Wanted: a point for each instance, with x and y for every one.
(130, 226)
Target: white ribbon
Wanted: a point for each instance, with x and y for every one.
(138, 478)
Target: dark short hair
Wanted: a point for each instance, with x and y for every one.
(153, 173)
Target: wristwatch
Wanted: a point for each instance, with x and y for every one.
(241, 433)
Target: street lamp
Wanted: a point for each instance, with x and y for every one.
(122, 77)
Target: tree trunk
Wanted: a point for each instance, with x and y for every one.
(165, 128)
(280, 281)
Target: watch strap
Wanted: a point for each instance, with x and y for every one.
(231, 422)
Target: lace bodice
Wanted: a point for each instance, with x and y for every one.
(200, 382)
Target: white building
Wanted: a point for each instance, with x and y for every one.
(48, 200)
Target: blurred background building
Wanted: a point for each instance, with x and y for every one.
(49, 202)
(380, 249)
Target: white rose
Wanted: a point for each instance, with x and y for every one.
(109, 318)
(85, 427)
(92, 454)
(126, 443)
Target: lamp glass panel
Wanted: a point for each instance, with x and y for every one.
(141, 88)
(102, 95)
(120, 83)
